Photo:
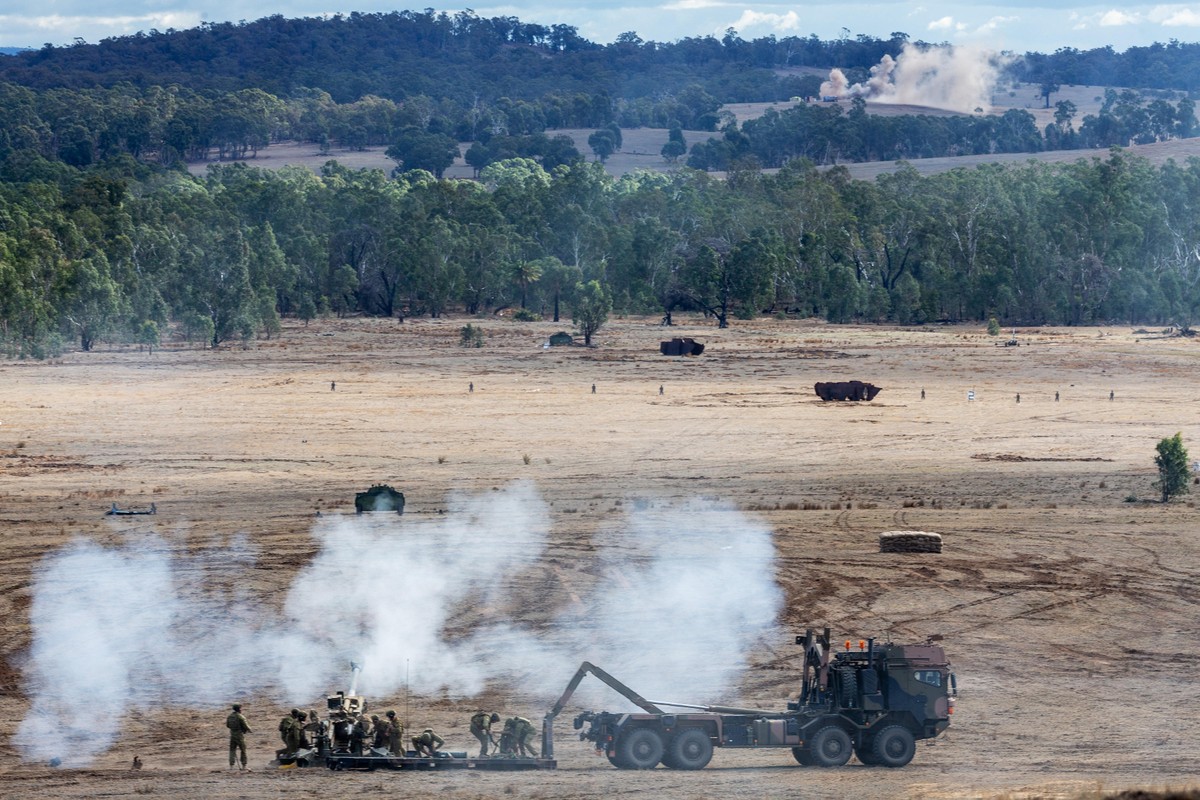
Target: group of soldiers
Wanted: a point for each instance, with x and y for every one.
(300, 730)
(516, 738)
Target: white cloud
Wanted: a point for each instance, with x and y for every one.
(994, 24)
(759, 20)
(1173, 16)
(1115, 18)
(106, 25)
(943, 24)
(692, 5)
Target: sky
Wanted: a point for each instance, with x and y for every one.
(1017, 25)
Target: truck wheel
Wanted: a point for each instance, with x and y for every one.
(894, 746)
(640, 748)
(831, 747)
(690, 749)
(866, 753)
(803, 757)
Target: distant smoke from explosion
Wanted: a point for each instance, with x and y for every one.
(680, 596)
(953, 78)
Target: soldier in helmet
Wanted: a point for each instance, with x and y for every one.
(524, 731)
(238, 728)
(395, 734)
(427, 743)
(360, 733)
(481, 729)
(287, 732)
(380, 736)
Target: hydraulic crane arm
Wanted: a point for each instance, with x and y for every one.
(584, 669)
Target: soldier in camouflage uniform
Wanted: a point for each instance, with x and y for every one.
(523, 732)
(395, 734)
(360, 734)
(238, 728)
(287, 733)
(427, 743)
(380, 738)
(481, 729)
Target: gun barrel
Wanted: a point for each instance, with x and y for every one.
(752, 712)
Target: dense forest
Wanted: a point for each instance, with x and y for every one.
(104, 237)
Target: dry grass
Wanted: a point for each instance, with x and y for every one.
(1072, 621)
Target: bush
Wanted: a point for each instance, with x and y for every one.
(1173, 471)
(525, 315)
(993, 327)
(470, 336)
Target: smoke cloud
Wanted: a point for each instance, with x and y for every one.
(952, 78)
(678, 596)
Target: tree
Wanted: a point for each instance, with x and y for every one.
(418, 149)
(525, 273)
(603, 143)
(592, 304)
(1172, 462)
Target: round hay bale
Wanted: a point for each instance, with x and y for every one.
(910, 542)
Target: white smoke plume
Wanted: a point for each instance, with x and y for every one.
(952, 78)
(681, 594)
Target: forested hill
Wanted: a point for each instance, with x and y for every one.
(464, 57)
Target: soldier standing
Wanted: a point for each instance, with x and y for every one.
(238, 728)
(381, 732)
(481, 729)
(395, 734)
(427, 743)
(359, 734)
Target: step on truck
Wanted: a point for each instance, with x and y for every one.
(874, 702)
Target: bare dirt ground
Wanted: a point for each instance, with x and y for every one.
(1071, 615)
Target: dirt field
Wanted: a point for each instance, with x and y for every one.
(1070, 613)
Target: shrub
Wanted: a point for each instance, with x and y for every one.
(1172, 462)
(525, 315)
(470, 336)
(993, 327)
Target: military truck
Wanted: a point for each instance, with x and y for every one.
(875, 703)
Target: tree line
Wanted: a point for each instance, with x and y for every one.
(825, 134)
(120, 252)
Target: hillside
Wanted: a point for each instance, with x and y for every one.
(642, 146)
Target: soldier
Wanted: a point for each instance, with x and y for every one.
(361, 732)
(296, 738)
(524, 731)
(1056, 397)
(660, 390)
(593, 388)
(481, 729)
(471, 387)
(395, 734)
(380, 740)
(287, 724)
(238, 728)
(427, 743)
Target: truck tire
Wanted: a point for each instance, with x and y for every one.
(803, 757)
(639, 748)
(894, 746)
(831, 747)
(690, 749)
(866, 753)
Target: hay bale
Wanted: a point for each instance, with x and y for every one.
(910, 542)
